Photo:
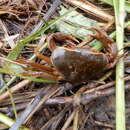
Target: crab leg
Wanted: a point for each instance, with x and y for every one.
(28, 68)
(37, 66)
(40, 74)
(42, 57)
(85, 42)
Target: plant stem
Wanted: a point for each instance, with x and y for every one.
(119, 7)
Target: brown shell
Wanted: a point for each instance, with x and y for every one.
(78, 65)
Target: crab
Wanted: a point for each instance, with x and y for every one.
(72, 63)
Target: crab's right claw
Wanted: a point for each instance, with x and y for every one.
(99, 33)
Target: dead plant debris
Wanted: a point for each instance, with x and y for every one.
(43, 104)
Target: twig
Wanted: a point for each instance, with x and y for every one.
(76, 118)
(94, 10)
(69, 100)
(104, 124)
(105, 86)
(55, 121)
(49, 13)
(85, 97)
(69, 120)
(14, 89)
(34, 105)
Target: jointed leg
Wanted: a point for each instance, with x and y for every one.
(85, 42)
(37, 66)
(40, 74)
(42, 57)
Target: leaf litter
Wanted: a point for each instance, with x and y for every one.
(53, 106)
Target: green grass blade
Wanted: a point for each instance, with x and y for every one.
(20, 45)
(119, 8)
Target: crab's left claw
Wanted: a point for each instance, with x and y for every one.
(69, 41)
(58, 37)
(71, 38)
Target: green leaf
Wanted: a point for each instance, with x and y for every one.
(75, 24)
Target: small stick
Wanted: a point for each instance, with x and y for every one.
(69, 120)
(55, 121)
(49, 13)
(99, 123)
(86, 97)
(34, 105)
(14, 89)
(94, 10)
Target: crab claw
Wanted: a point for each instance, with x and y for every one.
(71, 38)
(60, 38)
(102, 36)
